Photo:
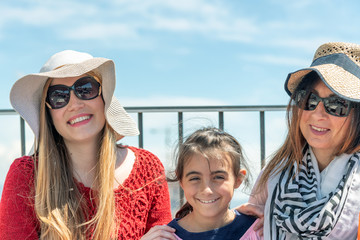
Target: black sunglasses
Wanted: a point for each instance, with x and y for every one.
(333, 105)
(85, 88)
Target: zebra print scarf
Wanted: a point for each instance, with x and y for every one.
(295, 207)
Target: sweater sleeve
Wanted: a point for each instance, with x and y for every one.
(17, 216)
(160, 212)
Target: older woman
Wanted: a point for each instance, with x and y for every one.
(310, 188)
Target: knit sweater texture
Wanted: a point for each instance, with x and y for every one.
(141, 201)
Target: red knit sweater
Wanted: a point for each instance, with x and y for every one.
(141, 202)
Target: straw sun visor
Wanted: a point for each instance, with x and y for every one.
(332, 76)
(338, 66)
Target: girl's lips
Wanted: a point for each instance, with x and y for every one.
(208, 201)
(79, 120)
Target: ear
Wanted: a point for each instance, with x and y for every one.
(240, 178)
(181, 185)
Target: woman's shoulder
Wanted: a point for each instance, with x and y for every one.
(147, 168)
(141, 151)
(22, 165)
(20, 176)
(146, 158)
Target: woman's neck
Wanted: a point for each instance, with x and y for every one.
(84, 158)
(323, 157)
(196, 223)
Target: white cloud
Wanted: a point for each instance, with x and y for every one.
(275, 60)
(129, 19)
(170, 101)
(42, 14)
(142, 21)
(100, 31)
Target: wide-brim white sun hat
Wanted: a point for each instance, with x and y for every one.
(26, 93)
(338, 66)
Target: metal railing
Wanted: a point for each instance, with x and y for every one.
(140, 111)
(180, 110)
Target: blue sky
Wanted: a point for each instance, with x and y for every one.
(171, 52)
(224, 52)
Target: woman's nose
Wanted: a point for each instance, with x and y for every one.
(320, 110)
(74, 102)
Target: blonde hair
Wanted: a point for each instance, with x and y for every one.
(292, 150)
(59, 206)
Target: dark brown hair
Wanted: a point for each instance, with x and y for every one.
(292, 149)
(209, 142)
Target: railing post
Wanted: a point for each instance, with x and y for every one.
(140, 125)
(181, 139)
(22, 136)
(262, 138)
(221, 120)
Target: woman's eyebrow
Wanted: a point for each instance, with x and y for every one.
(317, 93)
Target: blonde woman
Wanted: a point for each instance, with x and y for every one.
(79, 183)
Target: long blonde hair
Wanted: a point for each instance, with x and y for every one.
(59, 206)
(294, 145)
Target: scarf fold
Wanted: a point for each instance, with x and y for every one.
(295, 207)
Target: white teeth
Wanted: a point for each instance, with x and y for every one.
(319, 129)
(210, 201)
(79, 119)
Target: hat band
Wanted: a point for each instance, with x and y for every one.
(340, 60)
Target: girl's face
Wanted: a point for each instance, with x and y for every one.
(323, 132)
(209, 186)
(80, 120)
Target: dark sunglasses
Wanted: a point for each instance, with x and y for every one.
(85, 88)
(333, 105)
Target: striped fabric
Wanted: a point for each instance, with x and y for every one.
(296, 208)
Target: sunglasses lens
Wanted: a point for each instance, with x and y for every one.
(58, 96)
(86, 88)
(312, 102)
(334, 105)
(300, 98)
(337, 106)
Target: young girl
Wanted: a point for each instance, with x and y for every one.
(80, 184)
(210, 166)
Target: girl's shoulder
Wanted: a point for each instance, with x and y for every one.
(242, 222)
(235, 230)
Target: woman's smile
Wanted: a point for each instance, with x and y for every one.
(80, 120)
(319, 130)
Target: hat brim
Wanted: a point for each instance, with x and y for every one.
(26, 93)
(337, 79)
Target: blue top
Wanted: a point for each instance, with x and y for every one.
(233, 230)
